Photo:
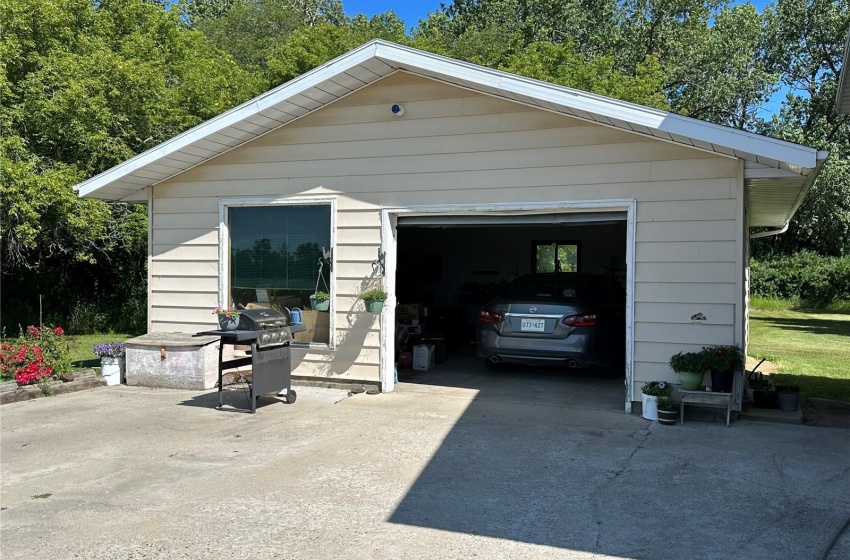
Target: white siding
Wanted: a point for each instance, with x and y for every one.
(453, 146)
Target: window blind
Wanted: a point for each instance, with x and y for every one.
(278, 247)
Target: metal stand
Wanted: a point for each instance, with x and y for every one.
(271, 367)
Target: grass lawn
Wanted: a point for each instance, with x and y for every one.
(811, 348)
(81, 348)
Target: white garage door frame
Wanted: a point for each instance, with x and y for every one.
(389, 247)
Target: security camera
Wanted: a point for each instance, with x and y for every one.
(398, 110)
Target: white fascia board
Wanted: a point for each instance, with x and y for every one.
(226, 119)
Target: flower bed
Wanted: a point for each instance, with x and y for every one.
(35, 355)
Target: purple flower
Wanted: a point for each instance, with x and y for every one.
(109, 350)
(661, 384)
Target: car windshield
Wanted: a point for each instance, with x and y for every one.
(548, 287)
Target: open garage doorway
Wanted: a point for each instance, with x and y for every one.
(449, 267)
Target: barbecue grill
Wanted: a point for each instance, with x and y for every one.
(269, 333)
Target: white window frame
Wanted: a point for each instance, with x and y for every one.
(224, 206)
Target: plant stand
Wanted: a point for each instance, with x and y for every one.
(705, 398)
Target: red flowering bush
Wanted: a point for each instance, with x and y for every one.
(36, 354)
(23, 362)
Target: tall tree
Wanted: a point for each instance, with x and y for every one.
(85, 86)
(807, 42)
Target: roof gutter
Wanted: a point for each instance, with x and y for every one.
(783, 229)
(822, 156)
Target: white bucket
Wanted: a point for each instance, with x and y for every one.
(650, 407)
(112, 370)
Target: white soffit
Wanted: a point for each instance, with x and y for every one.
(781, 160)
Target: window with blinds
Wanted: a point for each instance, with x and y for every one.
(276, 258)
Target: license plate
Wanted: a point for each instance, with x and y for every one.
(532, 325)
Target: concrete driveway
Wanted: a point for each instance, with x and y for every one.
(425, 472)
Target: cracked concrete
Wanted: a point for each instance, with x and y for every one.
(518, 467)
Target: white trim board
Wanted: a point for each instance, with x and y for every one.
(389, 245)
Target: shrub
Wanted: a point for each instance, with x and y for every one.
(53, 344)
(88, 318)
(814, 279)
(23, 362)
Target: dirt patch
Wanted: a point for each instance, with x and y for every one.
(765, 367)
(826, 413)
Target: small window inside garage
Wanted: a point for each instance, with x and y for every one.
(450, 267)
(277, 260)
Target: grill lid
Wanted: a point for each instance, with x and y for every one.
(261, 318)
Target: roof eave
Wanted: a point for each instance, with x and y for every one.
(592, 107)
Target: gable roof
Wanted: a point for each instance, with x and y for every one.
(777, 173)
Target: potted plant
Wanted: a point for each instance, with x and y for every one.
(764, 393)
(112, 361)
(650, 392)
(691, 367)
(668, 410)
(723, 361)
(228, 318)
(374, 299)
(320, 301)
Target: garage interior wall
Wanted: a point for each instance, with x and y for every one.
(455, 146)
(496, 254)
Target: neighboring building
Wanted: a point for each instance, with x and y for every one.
(455, 177)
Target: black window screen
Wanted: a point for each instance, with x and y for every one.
(278, 247)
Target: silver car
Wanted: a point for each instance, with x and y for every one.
(556, 318)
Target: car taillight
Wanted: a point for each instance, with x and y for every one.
(490, 317)
(586, 320)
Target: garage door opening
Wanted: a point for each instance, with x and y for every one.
(448, 268)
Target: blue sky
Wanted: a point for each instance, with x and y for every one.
(412, 10)
(408, 10)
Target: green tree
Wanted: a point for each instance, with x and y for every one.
(807, 42)
(85, 86)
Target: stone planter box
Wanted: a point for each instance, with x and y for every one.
(172, 360)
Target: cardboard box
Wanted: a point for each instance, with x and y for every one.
(318, 326)
(423, 357)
